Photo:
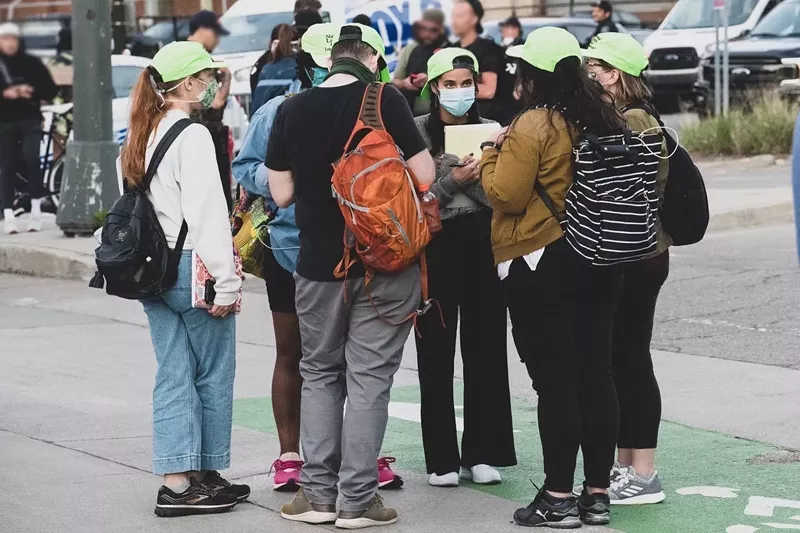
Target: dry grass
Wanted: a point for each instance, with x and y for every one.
(765, 126)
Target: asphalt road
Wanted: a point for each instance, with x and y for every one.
(736, 296)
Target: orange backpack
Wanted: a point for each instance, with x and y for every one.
(377, 193)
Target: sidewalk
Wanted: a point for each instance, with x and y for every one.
(741, 194)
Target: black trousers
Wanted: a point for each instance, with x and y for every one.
(637, 386)
(220, 139)
(464, 281)
(20, 142)
(562, 315)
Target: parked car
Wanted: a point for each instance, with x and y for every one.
(41, 35)
(676, 47)
(756, 61)
(147, 43)
(582, 28)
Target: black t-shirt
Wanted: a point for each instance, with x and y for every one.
(308, 136)
(492, 58)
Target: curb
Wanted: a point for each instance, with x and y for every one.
(48, 262)
(751, 218)
(44, 262)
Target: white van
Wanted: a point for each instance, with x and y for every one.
(250, 23)
(676, 47)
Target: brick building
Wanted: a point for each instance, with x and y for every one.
(25, 9)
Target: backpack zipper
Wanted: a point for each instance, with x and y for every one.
(400, 228)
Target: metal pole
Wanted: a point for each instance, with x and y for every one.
(119, 29)
(726, 71)
(207, 4)
(90, 181)
(717, 68)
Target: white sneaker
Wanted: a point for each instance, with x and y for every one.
(10, 227)
(482, 475)
(35, 224)
(448, 480)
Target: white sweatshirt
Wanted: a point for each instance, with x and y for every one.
(187, 185)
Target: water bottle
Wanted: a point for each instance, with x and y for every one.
(430, 208)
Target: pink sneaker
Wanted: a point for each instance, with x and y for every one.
(287, 475)
(387, 479)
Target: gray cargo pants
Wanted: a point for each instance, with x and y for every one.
(349, 353)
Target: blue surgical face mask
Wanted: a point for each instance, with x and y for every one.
(457, 102)
(317, 75)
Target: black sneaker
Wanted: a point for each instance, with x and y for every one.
(595, 509)
(217, 483)
(548, 511)
(197, 499)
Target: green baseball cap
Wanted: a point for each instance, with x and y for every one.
(318, 41)
(446, 60)
(183, 59)
(545, 47)
(619, 50)
(367, 34)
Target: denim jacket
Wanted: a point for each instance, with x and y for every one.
(274, 80)
(251, 173)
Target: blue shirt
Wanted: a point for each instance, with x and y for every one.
(251, 173)
(796, 179)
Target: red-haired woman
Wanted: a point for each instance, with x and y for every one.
(195, 348)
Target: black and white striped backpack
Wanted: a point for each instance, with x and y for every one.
(613, 203)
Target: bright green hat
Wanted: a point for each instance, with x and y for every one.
(446, 60)
(619, 50)
(545, 47)
(182, 59)
(318, 41)
(367, 34)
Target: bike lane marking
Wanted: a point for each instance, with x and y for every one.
(707, 478)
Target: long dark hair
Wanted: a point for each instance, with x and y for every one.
(435, 126)
(587, 104)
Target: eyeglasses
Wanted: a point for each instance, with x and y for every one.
(593, 73)
(428, 29)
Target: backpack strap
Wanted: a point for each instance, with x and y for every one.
(161, 151)
(158, 155)
(647, 108)
(548, 201)
(370, 116)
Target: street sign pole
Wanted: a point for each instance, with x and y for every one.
(726, 71)
(717, 68)
(90, 181)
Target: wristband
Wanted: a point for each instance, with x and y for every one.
(488, 144)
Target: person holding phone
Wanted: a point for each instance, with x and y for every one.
(24, 83)
(195, 348)
(463, 280)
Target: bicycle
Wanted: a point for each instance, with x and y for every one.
(52, 156)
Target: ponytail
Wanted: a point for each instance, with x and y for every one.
(147, 109)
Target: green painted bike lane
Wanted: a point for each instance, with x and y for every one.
(714, 483)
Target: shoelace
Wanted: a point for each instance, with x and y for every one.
(384, 462)
(624, 478)
(284, 465)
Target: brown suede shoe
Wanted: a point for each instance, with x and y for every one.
(302, 510)
(376, 515)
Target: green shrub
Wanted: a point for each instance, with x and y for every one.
(763, 126)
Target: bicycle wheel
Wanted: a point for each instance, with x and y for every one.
(52, 182)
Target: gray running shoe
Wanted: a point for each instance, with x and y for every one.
(631, 489)
(616, 471)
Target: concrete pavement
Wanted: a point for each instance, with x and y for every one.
(75, 391)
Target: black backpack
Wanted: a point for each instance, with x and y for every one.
(134, 258)
(684, 212)
(612, 204)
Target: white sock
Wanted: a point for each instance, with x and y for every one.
(8, 215)
(291, 456)
(36, 208)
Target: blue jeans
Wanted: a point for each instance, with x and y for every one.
(193, 394)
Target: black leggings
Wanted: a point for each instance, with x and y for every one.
(562, 315)
(637, 387)
(464, 281)
(20, 142)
